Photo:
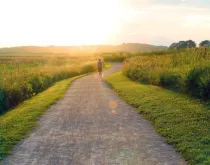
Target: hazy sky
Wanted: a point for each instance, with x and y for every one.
(76, 22)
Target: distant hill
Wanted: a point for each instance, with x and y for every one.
(128, 47)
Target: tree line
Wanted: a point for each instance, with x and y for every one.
(189, 44)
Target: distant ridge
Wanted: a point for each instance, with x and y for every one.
(126, 47)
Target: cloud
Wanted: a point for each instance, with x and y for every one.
(165, 24)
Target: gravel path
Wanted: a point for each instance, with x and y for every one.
(91, 125)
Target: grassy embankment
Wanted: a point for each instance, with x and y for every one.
(184, 121)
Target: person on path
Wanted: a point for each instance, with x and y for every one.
(100, 67)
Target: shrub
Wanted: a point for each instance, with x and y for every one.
(168, 78)
(37, 84)
(122, 56)
(116, 57)
(88, 68)
(2, 100)
(198, 82)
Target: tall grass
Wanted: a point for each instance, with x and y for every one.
(188, 70)
(115, 57)
(122, 56)
(24, 77)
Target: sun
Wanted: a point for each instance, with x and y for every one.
(59, 22)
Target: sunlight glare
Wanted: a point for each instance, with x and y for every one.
(64, 22)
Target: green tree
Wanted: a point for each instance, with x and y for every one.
(173, 46)
(190, 44)
(183, 45)
(205, 43)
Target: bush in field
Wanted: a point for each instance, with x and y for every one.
(116, 57)
(170, 79)
(36, 83)
(146, 68)
(198, 82)
(122, 56)
(2, 100)
(88, 68)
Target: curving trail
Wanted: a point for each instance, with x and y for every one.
(91, 125)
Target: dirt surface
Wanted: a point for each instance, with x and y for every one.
(91, 125)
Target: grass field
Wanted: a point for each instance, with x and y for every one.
(184, 121)
(122, 56)
(23, 75)
(188, 71)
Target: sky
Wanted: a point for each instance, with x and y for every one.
(88, 22)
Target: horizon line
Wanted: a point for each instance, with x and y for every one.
(81, 45)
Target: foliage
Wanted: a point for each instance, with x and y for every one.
(88, 68)
(22, 77)
(122, 56)
(184, 121)
(183, 45)
(205, 43)
(198, 82)
(115, 57)
(169, 78)
(188, 70)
